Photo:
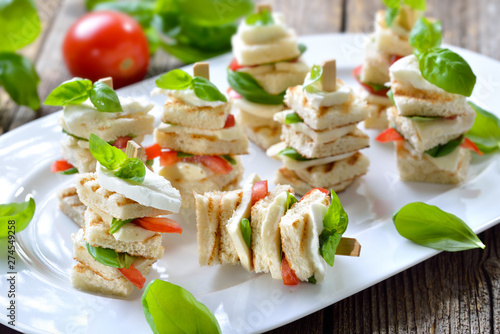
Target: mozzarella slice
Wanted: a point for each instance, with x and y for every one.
(316, 214)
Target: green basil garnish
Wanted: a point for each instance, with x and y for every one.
(181, 154)
(393, 7)
(292, 118)
(72, 135)
(334, 225)
(423, 118)
(116, 224)
(180, 80)
(246, 231)
(390, 16)
(109, 257)
(263, 18)
(312, 280)
(485, 132)
(429, 226)
(246, 85)
(445, 149)
(229, 159)
(77, 90)
(132, 169)
(19, 213)
(290, 200)
(292, 154)
(425, 35)
(390, 95)
(170, 308)
(316, 74)
(69, 171)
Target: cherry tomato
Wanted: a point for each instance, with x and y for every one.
(389, 134)
(168, 158)
(259, 191)
(60, 166)
(217, 164)
(287, 273)
(107, 44)
(163, 225)
(153, 151)
(323, 190)
(469, 144)
(230, 122)
(134, 276)
(121, 142)
(356, 73)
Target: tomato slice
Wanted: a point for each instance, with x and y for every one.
(233, 94)
(323, 190)
(60, 166)
(230, 122)
(394, 58)
(168, 158)
(234, 66)
(259, 191)
(134, 276)
(469, 144)
(162, 225)
(356, 73)
(216, 164)
(389, 134)
(152, 151)
(287, 273)
(121, 142)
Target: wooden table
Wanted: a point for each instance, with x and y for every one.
(449, 293)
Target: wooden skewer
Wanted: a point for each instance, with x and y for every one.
(329, 77)
(348, 247)
(134, 150)
(108, 81)
(201, 70)
(261, 7)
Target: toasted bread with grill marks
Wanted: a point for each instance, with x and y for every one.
(71, 206)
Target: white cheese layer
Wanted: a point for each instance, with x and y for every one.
(319, 98)
(315, 214)
(295, 164)
(319, 137)
(233, 226)
(448, 163)
(131, 232)
(406, 70)
(256, 109)
(435, 128)
(185, 171)
(187, 96)
(155, 191)
(259, 34)
(232, 133)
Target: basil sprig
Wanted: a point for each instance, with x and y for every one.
(246, 85)
(263, 18)
(315, 76)
(445, 149)
(429, 226)
(393, 7)
(180, 80)
(116, 224)
(292, 154)
(290, 200)
(292, 118)
(390, 95)
(114, 159)
(19, 213)
(109, 257)
(425, 35)
(229, 159)
(70, 171)
(334, 225)
(78, 90)
(485, 132)
(170, 308)
(246, 231)
(423, 118)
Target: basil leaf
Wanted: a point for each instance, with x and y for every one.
(206, 90)
(416, 4)
(69, 171)
(91, 4)
(72, 135)
(116, 224)
(245, 85)
(246, 231)
(302, 48)
(292, 154)
(141, 11)
(229, 159)
(104, 98)
(376, 87)
(292, 118)
(263, 18)
(181, 154)
(392, 3)
(105, 256)
(390, 16)
(107, 155)
(214, 13)
(390, 95)
(132, 169)
(187, 53)
(150, 162)
(20, 24)
(429, 226)
(316, 74)
(485, 132)
(74, 91)
(447, 70)
(312, 280)
(20, 213)
(445, 149)
(125, 260)
(425, 35)
(175, 79)
(290, 200)
(334, 225)
(19, 79)
(423, 118)
(169, 308)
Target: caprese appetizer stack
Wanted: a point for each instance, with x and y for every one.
(266, 62)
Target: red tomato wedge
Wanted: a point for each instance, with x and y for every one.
(162, 225)
(389, 134)
(323, 190)
(230, 122)
(469, 144)
(234, 66)
(394, 58)
(356, 73)
(134, 276)
(60, 166)
(259, 191)
(287, 273)
(233, 94)
(216, 164)
(168, 158)
(152, 151)
(121, 142)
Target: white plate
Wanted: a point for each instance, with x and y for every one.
(241, 301)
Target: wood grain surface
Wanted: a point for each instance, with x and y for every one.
(449, 293)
